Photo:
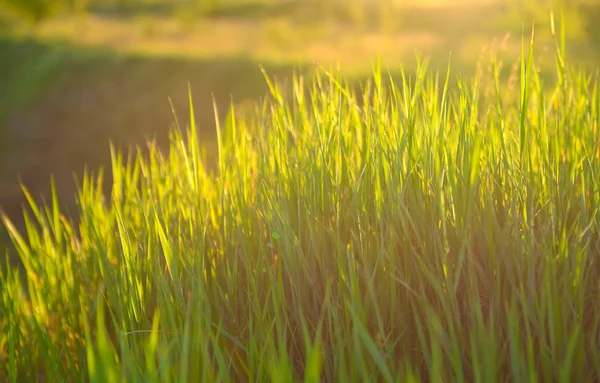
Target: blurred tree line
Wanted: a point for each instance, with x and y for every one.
(38, 10)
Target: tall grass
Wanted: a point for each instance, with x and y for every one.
(405, 232)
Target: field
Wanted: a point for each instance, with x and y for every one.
(427, 220)
(75, 82)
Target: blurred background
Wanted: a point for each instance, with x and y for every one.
(75, 74)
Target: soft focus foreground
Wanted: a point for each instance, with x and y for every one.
(404, 232)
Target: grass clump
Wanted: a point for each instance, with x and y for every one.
(407, 231)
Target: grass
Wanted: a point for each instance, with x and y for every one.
(408, 231)
(112, 72)
(59, 125)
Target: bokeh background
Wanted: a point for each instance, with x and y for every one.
(78, 74)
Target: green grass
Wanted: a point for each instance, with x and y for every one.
(407, 232)
(75, 81)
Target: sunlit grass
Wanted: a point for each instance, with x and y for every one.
(408, 231)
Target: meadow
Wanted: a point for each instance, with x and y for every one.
(74, 81)
(419, 224)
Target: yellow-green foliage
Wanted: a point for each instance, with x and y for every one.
(33, 10)
(407, 231)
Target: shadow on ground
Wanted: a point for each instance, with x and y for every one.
(61, 104)
(64, 112)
